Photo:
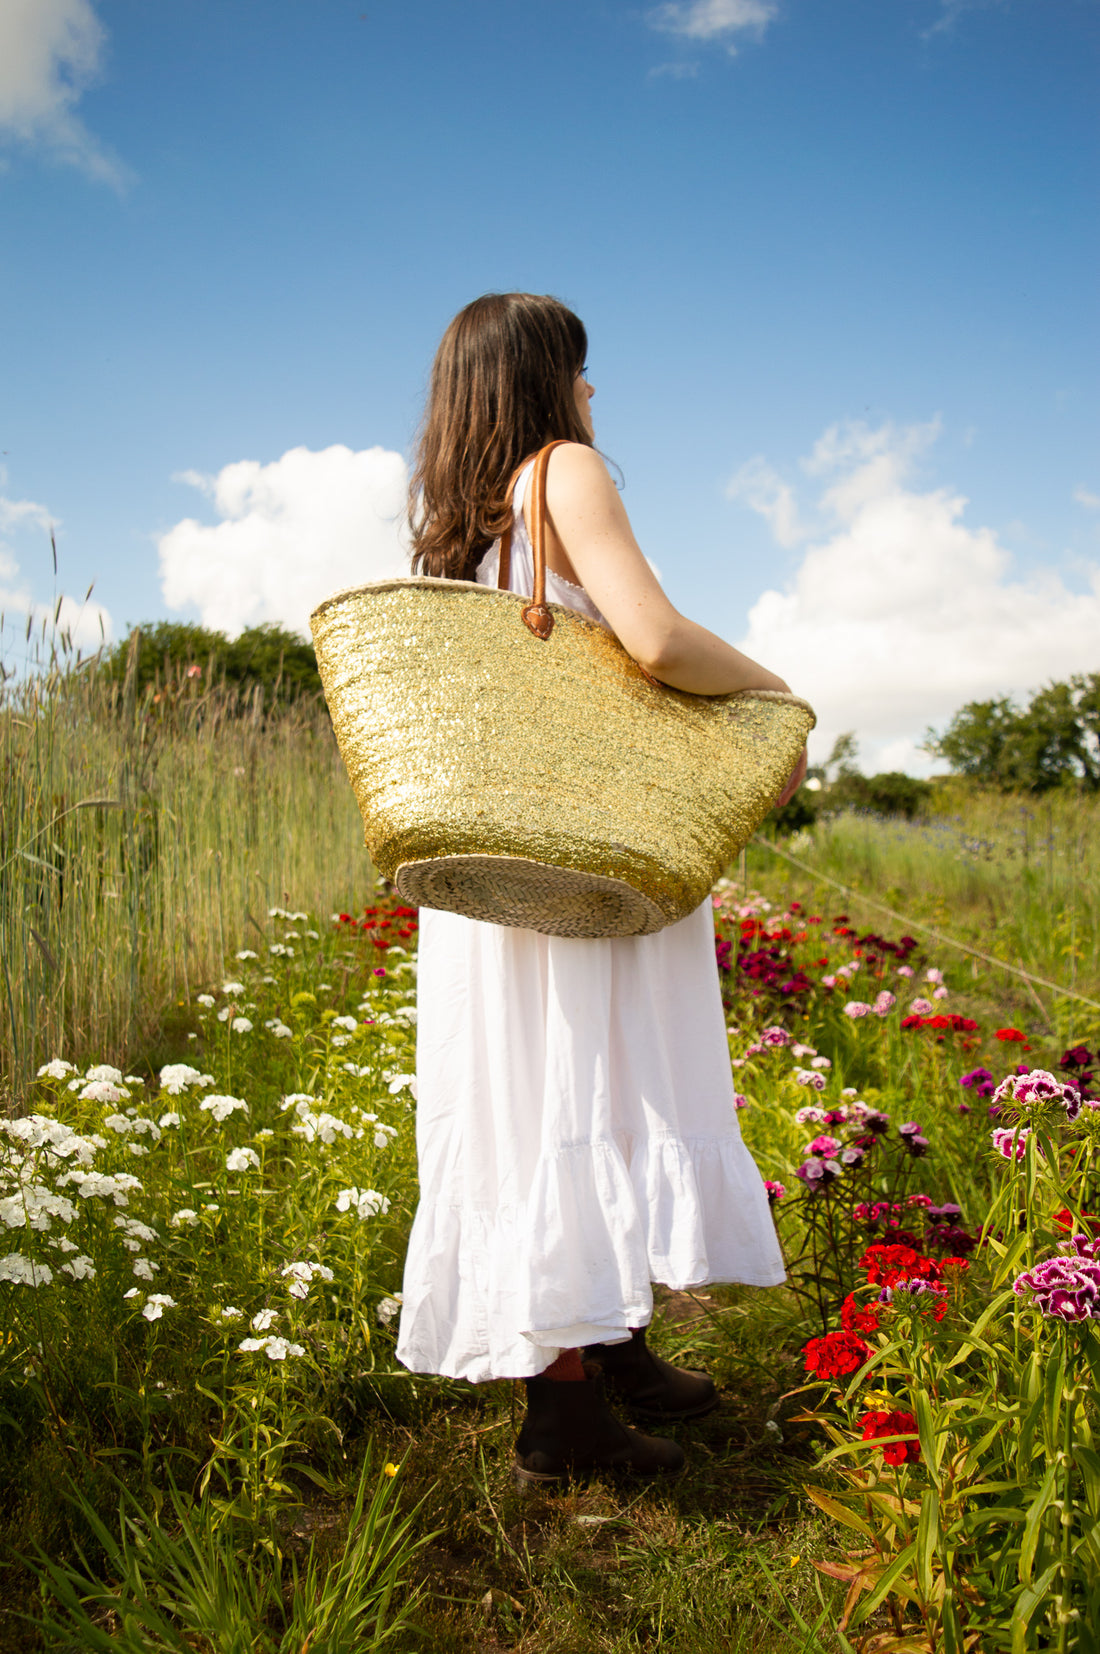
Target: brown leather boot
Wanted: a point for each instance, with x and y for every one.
(650, 1387)
(570, 1432)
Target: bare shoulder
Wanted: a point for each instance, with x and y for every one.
(576, 474)
(575, 464)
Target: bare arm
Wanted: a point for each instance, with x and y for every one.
(589, 539)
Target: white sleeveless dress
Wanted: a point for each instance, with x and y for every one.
(576, 1130)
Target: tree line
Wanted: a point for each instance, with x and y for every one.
(1053, 741)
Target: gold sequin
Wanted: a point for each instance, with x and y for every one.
(544, 784)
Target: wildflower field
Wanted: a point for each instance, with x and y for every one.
(207, 1444)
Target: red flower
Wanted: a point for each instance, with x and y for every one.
(887, 1265)
(836, 1354)
(1066, 1220)
(877, 1424)
(854, 1319)
(1010, 1034)
(379, 942)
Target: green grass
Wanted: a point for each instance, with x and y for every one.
(142, 840)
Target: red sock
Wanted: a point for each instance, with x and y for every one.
(567, 1369)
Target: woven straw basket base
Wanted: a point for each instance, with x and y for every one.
(530, 895)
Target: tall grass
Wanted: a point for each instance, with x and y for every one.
(142, 839)
(1014, 876)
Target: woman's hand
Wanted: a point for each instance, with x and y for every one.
(798, 775)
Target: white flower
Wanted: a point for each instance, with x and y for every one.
(314, 936)
(232, 988)
(281, 952)
(239, 1160)
(339, 1040)
(169, 1119)
(383, 1134)
(96, 1185)
(263, 1319)
(303, 1274)
(23, 1271)
(241, 1025)
(133, 1293)
(210, 1208)
(104, 1071)
(205, 1000)
(185, 1217)
(135, 1230)
(276, 1349)
(803, 1050)
(81, 1268)
(359, 1071)
(145, 1268)
(156, 1304)
(222, 1107)
(230, 1313)
(398, 1081)
(279, 1029)
(820, 1062)
(247, 953)
(345, 1022)
(117, 1122)
(64, 1244)
(134, 1079)
(56, 1070)
(388, 1308)
(366, 1203)
(178, 1076)
(103, 1091)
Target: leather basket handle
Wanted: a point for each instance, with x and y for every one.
(536, 616)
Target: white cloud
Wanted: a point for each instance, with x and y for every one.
(292, 532)
(49, 53)
(714, 19)
(763, 490)
(900, 612)
(25, 527)
(1090, 501)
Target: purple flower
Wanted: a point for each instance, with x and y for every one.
(856, 1008)
(884, 1003)
(922, 1008)
(1009, 1142)
(812, 1173)
(807, 1076)
(739, 1101)
(979, 1080)
(876, 1121)
(852, 1155)
(1063, 1289)
(1037, 1087)
(775, 1036)
(944, 1214)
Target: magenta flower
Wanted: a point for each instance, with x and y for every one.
(823, 1146)
(1038, 1086)
(807, 1076)
(856, 1008)
(739, 1101)
(884, 1003)
(775, 1036)
(1066, 1288)
(1010, 1143)
(776, 1191)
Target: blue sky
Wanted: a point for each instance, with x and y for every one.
(837, 263)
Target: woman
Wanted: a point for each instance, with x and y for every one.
(576, 1129)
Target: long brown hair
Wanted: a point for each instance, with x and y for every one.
(502, 386)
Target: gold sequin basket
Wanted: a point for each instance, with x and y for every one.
(513, 763)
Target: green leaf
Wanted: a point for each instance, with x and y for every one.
(887, 1583)
(1034, 1520)
(840, 1513)
(928, 1534)
(932, 1443)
